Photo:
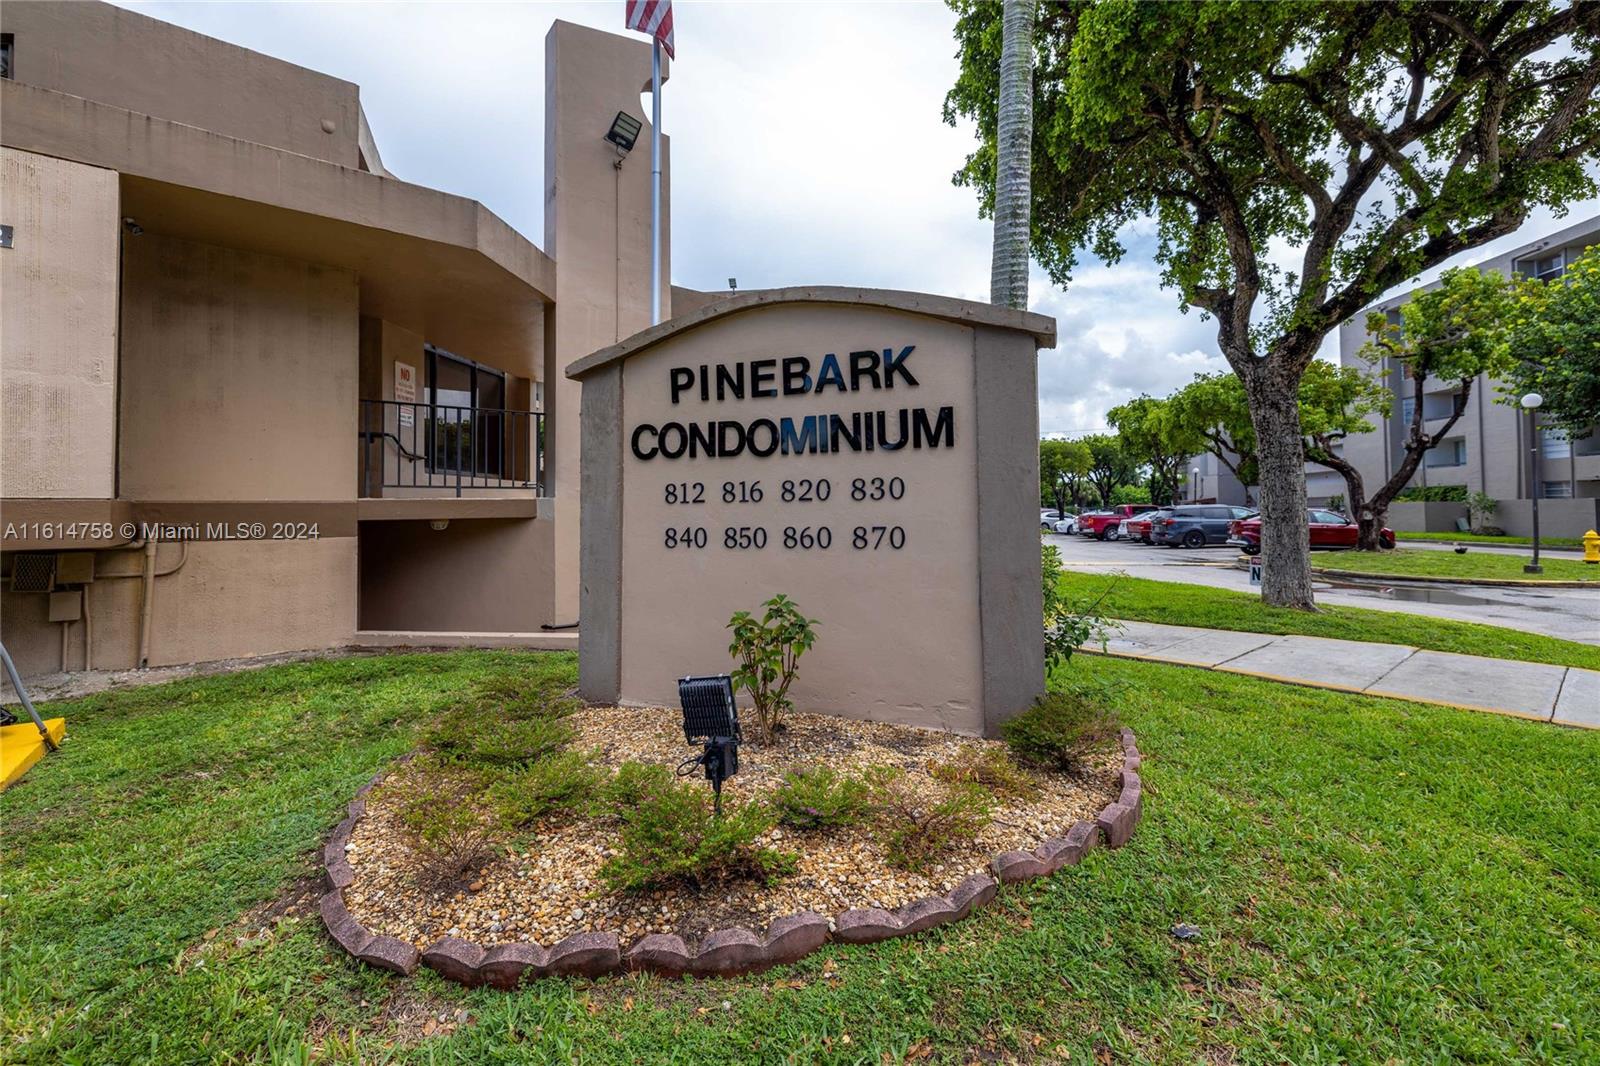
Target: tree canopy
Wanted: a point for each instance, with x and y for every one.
(1155, 435)
(1374, 139)
(1553, 345)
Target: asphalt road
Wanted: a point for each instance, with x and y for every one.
(1573, 614)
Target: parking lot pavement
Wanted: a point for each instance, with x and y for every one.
(1572, 614)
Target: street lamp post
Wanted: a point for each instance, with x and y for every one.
(1195, 495)
(1530, 403)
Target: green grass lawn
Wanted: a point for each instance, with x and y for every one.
(1484, 538)
(1373, 880)
(1174, 603)
(1421, 562)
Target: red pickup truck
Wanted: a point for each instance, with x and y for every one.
(1102, 525)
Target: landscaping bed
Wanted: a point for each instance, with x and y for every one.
(884, 858)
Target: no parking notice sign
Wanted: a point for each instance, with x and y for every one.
(1255, 570)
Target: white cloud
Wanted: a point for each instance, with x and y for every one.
(807, 147)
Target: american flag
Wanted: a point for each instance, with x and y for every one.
(655, 18)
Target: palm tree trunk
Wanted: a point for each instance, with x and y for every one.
(1008, 278)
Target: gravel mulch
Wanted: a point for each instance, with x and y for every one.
(544, 886)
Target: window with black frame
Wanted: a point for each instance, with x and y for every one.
(465, 416)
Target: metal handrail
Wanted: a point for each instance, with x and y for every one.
(449, 446)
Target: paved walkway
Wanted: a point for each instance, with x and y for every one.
(1560, 694)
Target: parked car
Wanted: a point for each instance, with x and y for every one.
(1138, 527)
(1049, 516)
(1330, 531)
(1103, 525)
(1197, 525)
(1069, 524)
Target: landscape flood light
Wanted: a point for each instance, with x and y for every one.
(710, 718)
(624, 132)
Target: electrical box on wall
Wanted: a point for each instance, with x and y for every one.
(66, 606)
(74, 568)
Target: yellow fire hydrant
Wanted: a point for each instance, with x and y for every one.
(1591, 547)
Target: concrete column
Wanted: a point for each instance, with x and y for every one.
(597, 227)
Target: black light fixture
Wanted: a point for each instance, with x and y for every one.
(624, 131)
(710, 718)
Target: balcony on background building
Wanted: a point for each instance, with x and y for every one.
(428, 449)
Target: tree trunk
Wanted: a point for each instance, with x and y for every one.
(1280, 456)
(1371, 518)
(1008, 279)
(1355, 496)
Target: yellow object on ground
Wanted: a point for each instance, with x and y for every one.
(21, 746)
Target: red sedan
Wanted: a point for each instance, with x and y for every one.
(1329, 530)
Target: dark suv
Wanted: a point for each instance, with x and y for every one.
(1196, 525)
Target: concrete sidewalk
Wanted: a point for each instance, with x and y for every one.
(1560, 694)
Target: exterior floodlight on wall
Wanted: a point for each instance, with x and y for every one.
(624, 131)
(710, 717)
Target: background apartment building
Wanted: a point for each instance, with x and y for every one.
(219, 308)
(1489, 449)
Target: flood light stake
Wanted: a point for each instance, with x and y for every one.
(710, 717)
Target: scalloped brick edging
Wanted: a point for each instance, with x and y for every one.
(723, 952)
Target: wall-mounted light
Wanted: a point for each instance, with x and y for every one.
(132, 226)
(439, 525)
(624, 132)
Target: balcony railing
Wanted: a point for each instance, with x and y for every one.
(443, 446)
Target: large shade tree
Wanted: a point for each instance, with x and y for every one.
(1153, 432)
(1375, 139)
(1214, 407)
(1110, 464)
(1063, 472)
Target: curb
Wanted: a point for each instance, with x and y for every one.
(1492, 582)
(723, 952)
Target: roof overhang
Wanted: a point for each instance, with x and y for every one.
(438, 264)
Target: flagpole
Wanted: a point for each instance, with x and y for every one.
(655, 181)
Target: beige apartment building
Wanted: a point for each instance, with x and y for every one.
(261, 395)
(1491, 446)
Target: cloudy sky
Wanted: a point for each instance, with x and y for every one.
(807, 147)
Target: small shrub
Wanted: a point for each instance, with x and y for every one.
(918, 827)
(820, 798)
(990, 767)
(768, 652)
(443, 818)
(1059, 730)
(631, 785)
(523, 694)
(556, 782)
(671, 834)
(1068, 623)
(481, 736)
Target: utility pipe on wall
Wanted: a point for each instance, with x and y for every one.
(148, 603)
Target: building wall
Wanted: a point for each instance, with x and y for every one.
(239, 375)
(58, 329)
(120, 57)
(474, 576)
(224, 599)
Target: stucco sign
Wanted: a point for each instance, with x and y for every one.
(872, 455)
